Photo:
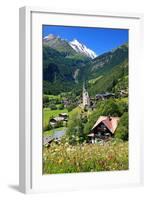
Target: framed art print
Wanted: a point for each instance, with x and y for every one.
(80, 100)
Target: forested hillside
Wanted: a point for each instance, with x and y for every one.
(64, 70)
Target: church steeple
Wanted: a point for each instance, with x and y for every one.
(84, 87)
(86, 100)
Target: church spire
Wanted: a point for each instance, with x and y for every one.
(86, 100)
(84, 87)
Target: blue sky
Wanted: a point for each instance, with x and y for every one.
(100, 40)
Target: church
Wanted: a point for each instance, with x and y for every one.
(86, 99)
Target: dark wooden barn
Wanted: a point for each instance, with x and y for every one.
(103, 129)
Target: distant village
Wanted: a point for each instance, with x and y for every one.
(105, 126)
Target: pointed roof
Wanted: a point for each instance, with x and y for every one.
(110, 122)
(84, 89)
(57, 119)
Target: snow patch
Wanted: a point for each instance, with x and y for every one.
(81, 48)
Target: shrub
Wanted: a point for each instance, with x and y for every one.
(45, 99)
(91, 121)
(110, 107)
(53, 107)
(75, 128)
(71, 107)
(122, 130)
(61, 107)
(47, 127)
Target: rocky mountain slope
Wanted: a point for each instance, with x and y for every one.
(68, 48)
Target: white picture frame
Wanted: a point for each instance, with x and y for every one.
(30, 140)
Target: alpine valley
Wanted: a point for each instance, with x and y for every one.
(66, 64)
(85, 107)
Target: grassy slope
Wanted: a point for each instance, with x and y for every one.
(93, 81)
(52, 96)
(108, 81)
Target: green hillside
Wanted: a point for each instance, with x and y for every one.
(65, 72)
(105, 62)
(59, 71)
(111, 80)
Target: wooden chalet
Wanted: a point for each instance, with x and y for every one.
(103, 129)
(103, 96)
(64, 115)
(56, 120)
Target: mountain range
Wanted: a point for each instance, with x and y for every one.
(67, 63)
(70, 48)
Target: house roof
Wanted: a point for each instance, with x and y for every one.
(47, 139)
(105, 94)
(63, 114)
(57, 119)
(91, 135)
(110, 122)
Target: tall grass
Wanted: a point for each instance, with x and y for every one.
(65, 158)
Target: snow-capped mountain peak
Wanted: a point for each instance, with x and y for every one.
(81, 48)
(50, 37)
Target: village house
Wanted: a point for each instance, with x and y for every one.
(63, 117)
(65, 102)
(103, 129)
(123, 93)
(103, 96)
(54, 121)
